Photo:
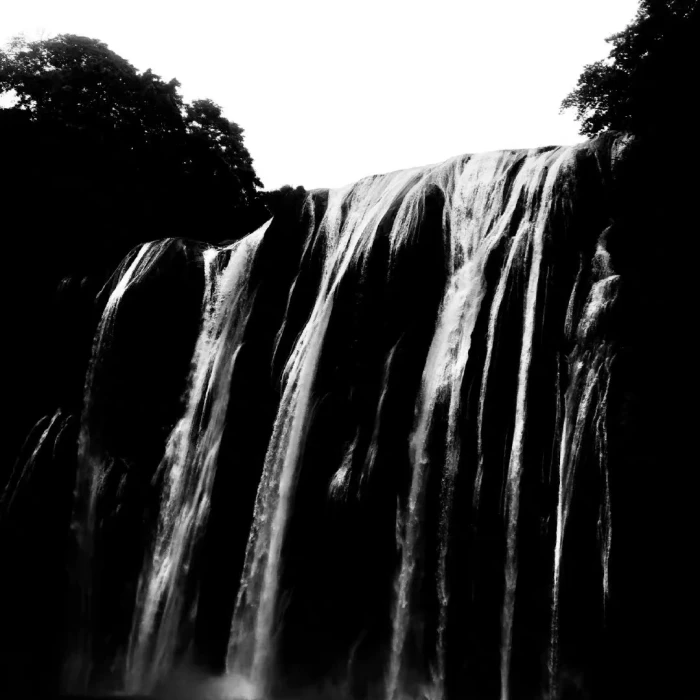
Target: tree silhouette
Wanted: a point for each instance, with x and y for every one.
(78, 84)
(98, 157)
(645, 84)
(81, 82)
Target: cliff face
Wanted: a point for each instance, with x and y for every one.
(405, 440)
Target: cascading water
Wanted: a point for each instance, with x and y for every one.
(479, 216)
(400, 391)
(189, 465)
(585, 416)
(93, 463)
(252, 643)
(539, 200)
(47, 431)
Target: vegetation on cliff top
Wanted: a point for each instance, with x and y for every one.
(644, 86)
(98, 156)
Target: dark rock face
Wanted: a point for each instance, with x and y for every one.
(405, 440)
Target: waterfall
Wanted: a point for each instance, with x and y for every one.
(251, 646)
(538, 206)
(378, 438)
(585, 412)
(39, 436)
(93, 463)
(189, 464)
(476, 228)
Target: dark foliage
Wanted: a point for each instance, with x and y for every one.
(79, 83)
(645, 84)
(98, 156)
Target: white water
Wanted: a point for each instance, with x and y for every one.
(23, 468)
(478, 218)
(376, 430)
(339, 486)
(493, 201)
(93, 463)
(252, 643)
(533, 228)
(189, 464)
(585, 409)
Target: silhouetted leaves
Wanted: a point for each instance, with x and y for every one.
(116, 154)
(79, 82)
(645, 84)
(97, 157)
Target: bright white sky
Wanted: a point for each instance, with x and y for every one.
(328, 92)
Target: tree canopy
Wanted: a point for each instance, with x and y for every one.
(81, 82)
(98, 157)
(77, 83)
(645, 85)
